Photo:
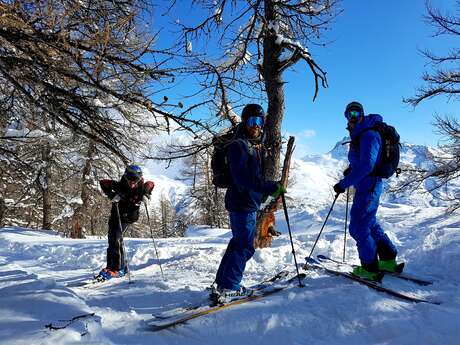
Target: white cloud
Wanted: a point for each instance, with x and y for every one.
(307, 133)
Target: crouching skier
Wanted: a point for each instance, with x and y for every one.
(376, 251)
(243, 197)
(126, 196)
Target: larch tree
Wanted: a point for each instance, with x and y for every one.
(442, 80)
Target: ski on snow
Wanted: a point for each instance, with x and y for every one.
(315, 264)
(206, 302)
(401, 275)
(264, 290)
(95, 282)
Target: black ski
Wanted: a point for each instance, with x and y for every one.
(400, 274)
(61, 324)
(157, 325)
(314, 264)
(206, 302)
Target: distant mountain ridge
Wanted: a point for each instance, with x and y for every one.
(312, 178)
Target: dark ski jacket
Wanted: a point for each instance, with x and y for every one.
(248, 186)
(131, 198)
(364, 156)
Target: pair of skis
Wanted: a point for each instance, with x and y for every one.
(95, 282)
(335, 268)
(277, 283)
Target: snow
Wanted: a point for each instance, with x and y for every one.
(37, 267)
(39, 272)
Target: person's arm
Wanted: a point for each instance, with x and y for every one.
(108, 187)
(148, 187)
(369, 148)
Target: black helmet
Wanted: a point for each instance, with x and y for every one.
(133, 172)
(252, 110)
(354, 106)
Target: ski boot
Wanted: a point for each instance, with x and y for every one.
(361, 272)
(222, 295)
(103, 275)
(391, 266)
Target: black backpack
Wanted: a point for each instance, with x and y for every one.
(219, 163)
(389, 157)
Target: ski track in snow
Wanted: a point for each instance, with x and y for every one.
(36, 268)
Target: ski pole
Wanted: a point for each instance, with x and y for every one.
(153, 240)
(346, 224)
(283, 198)
(123, 243)
(324, 224)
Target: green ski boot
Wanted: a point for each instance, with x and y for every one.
(360, 272)
(391, 266)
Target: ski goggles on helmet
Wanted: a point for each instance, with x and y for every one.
(353, 114)
(255, 121)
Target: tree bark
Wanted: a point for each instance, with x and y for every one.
(3, 210)
(266, 217)
(275, 94)
(45, 181)
(80, 210)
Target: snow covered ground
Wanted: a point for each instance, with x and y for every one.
(39, 268)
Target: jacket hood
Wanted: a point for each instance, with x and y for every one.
(368, 122)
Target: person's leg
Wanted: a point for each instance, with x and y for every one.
(386, 250)
(363, 219)
(240, 249)
(115, 250)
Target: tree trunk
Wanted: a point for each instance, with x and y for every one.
(80, 210)
(272, 131)
(275, 94)
(45, 186)
(266, 217)
(3, 209)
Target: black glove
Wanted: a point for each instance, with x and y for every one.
(347, 171)
(338, 189)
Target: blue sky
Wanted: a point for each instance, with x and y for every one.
(373, 58)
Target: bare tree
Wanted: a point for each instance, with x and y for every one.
(84, 65)
(442, 80)
(257, 41)
(206, 199)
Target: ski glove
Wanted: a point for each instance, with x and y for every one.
(279, 190)
(338, 189)
(347, 171)
(116, 198)
(146, 199)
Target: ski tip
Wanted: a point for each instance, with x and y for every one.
(309, 260)
(320, 256)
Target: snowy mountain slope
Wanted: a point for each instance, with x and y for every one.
(311, 178)
(37, 269)
(37, 265)
(318, 173)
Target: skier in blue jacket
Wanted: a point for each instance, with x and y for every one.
(376, 251)
(242, 200)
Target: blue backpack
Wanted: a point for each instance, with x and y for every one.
(390, 151)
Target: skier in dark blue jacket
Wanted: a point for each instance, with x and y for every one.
(243, 198)
(376, 251)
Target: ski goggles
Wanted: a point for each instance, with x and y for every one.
(255, 121)
(353, 114)
(132, 177)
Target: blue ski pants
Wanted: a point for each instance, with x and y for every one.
(371, 240)
(239, 250)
